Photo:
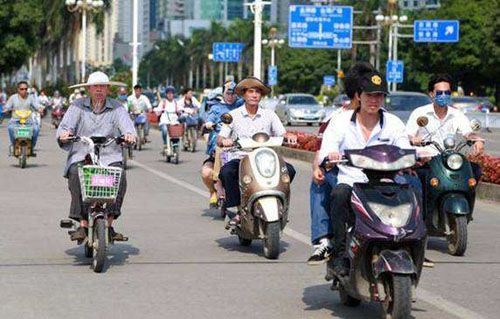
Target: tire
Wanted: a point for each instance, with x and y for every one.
(457, 240)
(125, 157)
(100, 240)
(194, 138)
(23, 156)
(244, 241)
(271, 241)
(140, 138)
(176, 155)
(398, 301)
(89, 252)
(346, 299)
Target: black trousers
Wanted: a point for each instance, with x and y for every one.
(79, 210)
(341, 215)
(229, 176)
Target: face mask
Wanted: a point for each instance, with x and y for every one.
(122, 96)
(442, 100)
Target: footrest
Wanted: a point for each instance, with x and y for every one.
(122, 239)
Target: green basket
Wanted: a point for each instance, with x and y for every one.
(99, 183)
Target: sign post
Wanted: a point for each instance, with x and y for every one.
(395, 69)
(329, 81)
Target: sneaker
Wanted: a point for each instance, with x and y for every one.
(116, 236)
(321, 254)
(79, 234)
(428, 263)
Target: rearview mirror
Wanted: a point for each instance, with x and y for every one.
(226, 118)
(422, 121)
(475, 125)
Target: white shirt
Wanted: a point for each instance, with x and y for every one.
(454, 122)
(245, 125)
(344, 133)
(194, 101)
(170, 110)
(140, 103)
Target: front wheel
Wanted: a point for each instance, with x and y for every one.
(346, 299)
(457, 240)
(397, 304)
(271, 241)
(176, 155)
(99, 245)
(22, 158)
(140, 138)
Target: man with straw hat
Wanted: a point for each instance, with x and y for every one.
(95, 115)
(248, 119)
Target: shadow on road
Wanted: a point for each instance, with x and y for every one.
(321, 297)
(231, 243)
(213, 213)
(117, 255)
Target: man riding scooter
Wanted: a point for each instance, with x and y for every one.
(19, 102)
(448, 177)
(96, 115)
(368, 125)
(139, 104)
(229, 103)
(248, 120)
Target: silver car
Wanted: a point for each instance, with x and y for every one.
(402, 104)
(296, 108)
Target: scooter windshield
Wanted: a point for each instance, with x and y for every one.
(382, 158)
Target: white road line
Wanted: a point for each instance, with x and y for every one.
(429, 297)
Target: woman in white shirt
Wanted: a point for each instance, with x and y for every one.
(169, 109)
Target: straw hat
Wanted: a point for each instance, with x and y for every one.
(98, 78)
(254, 83)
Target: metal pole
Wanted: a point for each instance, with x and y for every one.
(84, 42)
(273, 58)
(135, 25)
(396, 25)
(379, 43)
(257, 51)
(389, 57)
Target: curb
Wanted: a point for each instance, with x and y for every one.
(486, 191)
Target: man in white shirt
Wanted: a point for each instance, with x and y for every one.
(248, 119)
(444, 120)
(366, 126)
(139, 103)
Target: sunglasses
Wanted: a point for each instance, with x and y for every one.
(23, 89)
(448, 92)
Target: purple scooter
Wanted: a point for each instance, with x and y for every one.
(386, 243)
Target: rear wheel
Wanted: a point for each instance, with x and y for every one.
(397, 304)
(346, 299)
(99, 245)
(140, 137)
(271, 241)
(176, 155)
(125, 157)
(22, 158)
(457, 240)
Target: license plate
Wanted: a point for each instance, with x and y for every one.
(102, 180)
(23, 133)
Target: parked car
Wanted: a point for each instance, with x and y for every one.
(402, 103)
(469, 104)
(299, 108)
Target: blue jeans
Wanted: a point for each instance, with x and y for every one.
(164, 133)
(14, 123)
(320, 200)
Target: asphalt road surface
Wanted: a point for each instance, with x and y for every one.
(181, 263)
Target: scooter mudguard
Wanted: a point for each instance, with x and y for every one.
(455, 204)
(394, 261)
(268, 209)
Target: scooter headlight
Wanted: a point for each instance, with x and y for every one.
(454, 161)
(395, 216)
(266, 163)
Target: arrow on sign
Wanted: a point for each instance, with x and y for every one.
(449, 30)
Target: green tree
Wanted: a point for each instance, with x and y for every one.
(20, 22)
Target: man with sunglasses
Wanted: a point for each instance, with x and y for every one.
(444, 120)
(18, 102)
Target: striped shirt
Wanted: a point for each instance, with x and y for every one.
(245, 125)
(80, 120)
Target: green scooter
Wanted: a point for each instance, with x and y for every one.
(449, 191)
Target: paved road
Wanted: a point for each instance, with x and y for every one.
(180, 263)
(492, 138)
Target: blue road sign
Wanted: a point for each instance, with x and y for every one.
(227, 52)
(436, 30)
(395, 69)
(322, 27)
(272, 75)
(329, 80)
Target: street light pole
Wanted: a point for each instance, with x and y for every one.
(135, 44)
(83, 6)
(256, 8)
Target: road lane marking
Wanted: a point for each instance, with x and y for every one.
(422, 294)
